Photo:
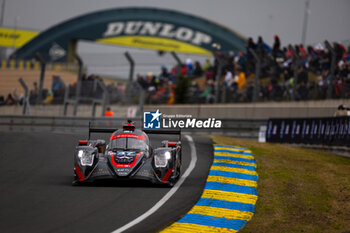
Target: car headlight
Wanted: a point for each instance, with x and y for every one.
(167, 155)
(86, 159)
(161, 160)
(80, 153)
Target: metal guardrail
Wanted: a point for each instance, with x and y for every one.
(243, 128)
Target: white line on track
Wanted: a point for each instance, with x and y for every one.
(168, 194)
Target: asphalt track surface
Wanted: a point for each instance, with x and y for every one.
(36, 195)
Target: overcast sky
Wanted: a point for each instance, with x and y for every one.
(328, 19)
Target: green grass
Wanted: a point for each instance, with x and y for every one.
(299, 190)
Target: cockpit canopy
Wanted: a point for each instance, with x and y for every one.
(126, 140)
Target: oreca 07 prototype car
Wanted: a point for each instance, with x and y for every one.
(128, 155)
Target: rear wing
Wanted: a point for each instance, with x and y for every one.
(147, 131)
(162, 131)
(100, 130)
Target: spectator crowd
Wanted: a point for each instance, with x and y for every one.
(286, 73)
(302, 73)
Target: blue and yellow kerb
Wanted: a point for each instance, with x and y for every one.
(229, 196)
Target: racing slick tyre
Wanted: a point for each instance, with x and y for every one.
(75, 183)
(177, 175)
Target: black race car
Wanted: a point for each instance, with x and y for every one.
(128, 155)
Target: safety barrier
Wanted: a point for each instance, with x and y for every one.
(229, 196)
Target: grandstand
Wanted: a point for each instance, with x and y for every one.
(242, 70)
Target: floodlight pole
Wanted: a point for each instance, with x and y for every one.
(141, 100)
(257, 75)
(331, 75)
(14, 32)
(2, 12)
(2, 50)
(306, 18)
(42, 77)
(131, 75)
(79, 82)
(104, 101)
(177, 59)
(295, 74)
(26, 105)
(218, 76)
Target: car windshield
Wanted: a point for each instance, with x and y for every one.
(128, 144)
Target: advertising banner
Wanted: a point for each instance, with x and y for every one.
(332, 131)
(147, 28)
(15, 38)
